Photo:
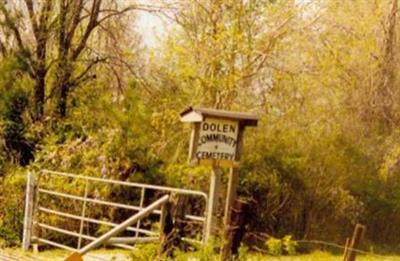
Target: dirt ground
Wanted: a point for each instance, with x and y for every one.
(98, 255)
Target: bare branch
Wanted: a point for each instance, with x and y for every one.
(14, 29)
(93, 22)
(75, 22)
(87, 70)
(3, 49)
(61, 26)
(29, 6)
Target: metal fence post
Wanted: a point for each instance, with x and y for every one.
(142, 195)
(28, 218)
(83, 214)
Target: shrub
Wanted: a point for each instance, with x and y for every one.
(278, 247)
(12, 207)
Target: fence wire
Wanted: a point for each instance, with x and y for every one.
(262, 236)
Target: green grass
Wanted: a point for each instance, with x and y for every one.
(124, 255)
(54, 255)
(323, 256)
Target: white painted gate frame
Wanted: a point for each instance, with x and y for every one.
(32, 207)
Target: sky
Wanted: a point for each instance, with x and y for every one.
(153, 27)
(150, 26)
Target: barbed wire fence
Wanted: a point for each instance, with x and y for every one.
(264, 237)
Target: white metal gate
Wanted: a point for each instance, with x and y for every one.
(81, 215)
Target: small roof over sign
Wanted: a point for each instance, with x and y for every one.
(195, 114)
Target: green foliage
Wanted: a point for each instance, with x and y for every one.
(203, 253)
(12, 207)
(324, 155)
(277, 247)
(289, 245)
(243, 253)
(274, 246)
(16, 146)
(145, 252)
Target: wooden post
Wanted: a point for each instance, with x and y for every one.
(172, 227)
(28, 219)
(83, 214)
(346, 249)
(166, 229)
(240, 211)
(230, 198)
(208, 151)
(234, 233)
(213, 204)
(358, 234)
(231, 195)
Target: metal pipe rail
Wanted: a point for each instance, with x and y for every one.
(96, 201)
(109, 203)
(91, 220)
(74, 234)
(51, 243)
(130, 184)
(54, 244)
(140, 215)
(42, 188)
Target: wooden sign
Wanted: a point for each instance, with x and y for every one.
(216, 135)
(217, 140)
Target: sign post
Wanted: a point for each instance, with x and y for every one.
(217, 141)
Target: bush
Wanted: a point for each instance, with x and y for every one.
(12, 207)
(278, 247)
(145, 252)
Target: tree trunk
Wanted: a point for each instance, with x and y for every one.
(63, 87)
(39, 95)
(386, 90)
(173, 231)
(40, 74)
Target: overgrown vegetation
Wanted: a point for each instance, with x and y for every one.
(80, 93)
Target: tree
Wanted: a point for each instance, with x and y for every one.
(35, 56)
(61, 54)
